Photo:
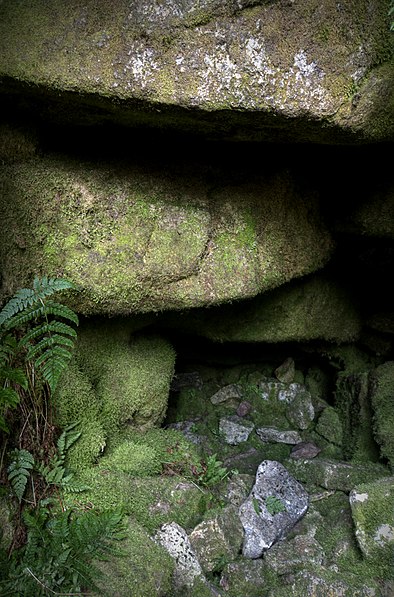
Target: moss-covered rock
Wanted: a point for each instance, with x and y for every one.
(373, 216)
(137, 240)
(382, 398)
(152, 501)
(266, 70)
(334, 474)
(329, 426)
(116, 379)
(308, 309)
(17, 144)
(372, 510)
(320, 581)
(143, 569)
(353, 401)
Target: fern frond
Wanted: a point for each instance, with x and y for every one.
(22, 299)
(94, 534)
(46, 286)
(48, 342)
(59, 310)
(53, 327)
(9, 398)
(70, 486)
(67, 438)
(14, 374)
(19, 471)
(52, 363)
(60, 551)
(29, 304)
(8, 347)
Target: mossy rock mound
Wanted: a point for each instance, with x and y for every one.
(137, 240)
(116, 380)
(315, 308)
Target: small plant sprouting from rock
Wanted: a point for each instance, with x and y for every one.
(274, 505)
(211, 472)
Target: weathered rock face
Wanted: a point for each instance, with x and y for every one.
(257, 69)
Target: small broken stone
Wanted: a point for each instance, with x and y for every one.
(305, 450)
(175, 540)
(227, 393)
(271, 434)
(262, 525)
(286, 371)
(244, 408)
(235, 429)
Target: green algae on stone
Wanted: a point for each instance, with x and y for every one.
(150, 452)
(353, 402)
(152, 501)
(16, 144)
(329, 521)
(320, 581)
(131, 373)
(334, 474)
(134, 459)
(329, 426)
(75, 401)
(248, 577)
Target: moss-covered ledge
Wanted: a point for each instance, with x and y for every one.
(135, 239)
(310, 61)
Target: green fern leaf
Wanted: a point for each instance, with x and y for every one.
(8, 347)
(52, 363)
(14, 374)
(53, 327)
(48, 343)
(59, 310)
(21, 300)
(70, 486)
(45, 286)
(3, 425)
(67, 438)
(19, 471)
(9, 398)
(27, 297)
(29, 304)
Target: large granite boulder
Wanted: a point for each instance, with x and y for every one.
(304, 71)
(138, 239)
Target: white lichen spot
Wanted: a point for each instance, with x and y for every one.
(141, 66)
(301, 64)
(359, 497)
(384, 534)
(258, 59)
